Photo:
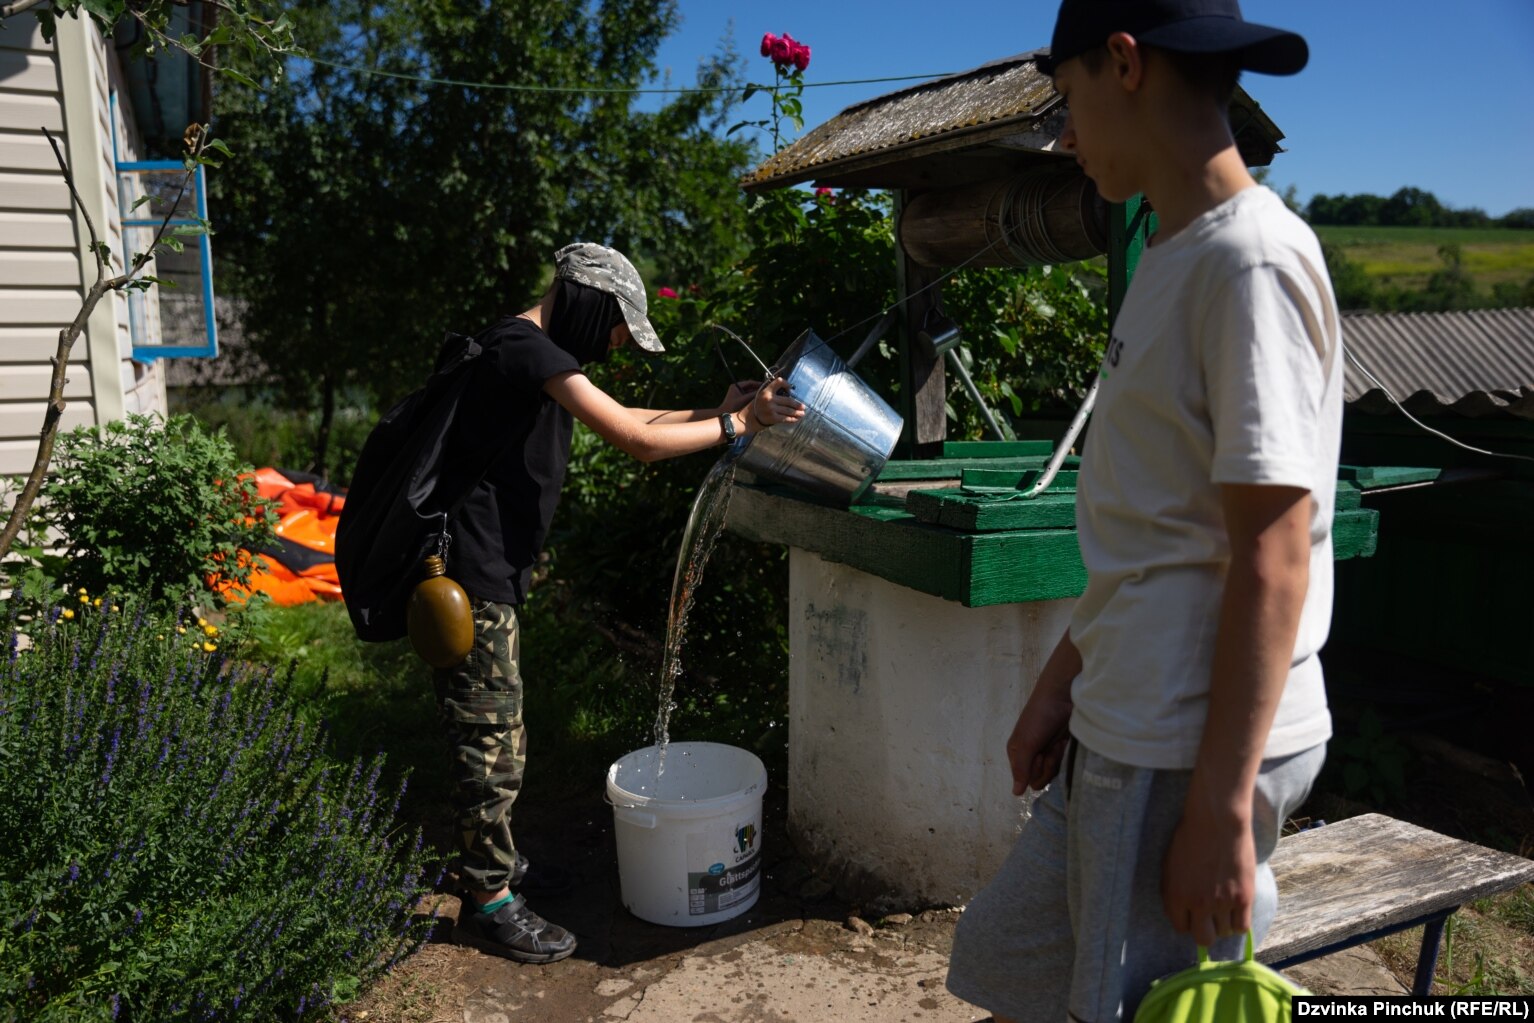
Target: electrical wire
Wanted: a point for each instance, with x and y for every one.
(603, 89)
(1437, 433)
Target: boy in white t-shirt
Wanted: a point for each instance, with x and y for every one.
(1185, 702)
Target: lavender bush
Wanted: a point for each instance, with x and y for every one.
(176, 845)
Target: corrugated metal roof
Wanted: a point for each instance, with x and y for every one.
(1476, 363)
(1006, 107)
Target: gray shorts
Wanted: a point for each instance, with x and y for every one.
(1072, 922)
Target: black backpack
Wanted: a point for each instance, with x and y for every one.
(397, 508)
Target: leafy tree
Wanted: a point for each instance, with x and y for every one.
(1411, 207)
(372, 212)
(1511, 295)
(1350, 283)
(258, 28)
(1522, 217)
(1034, 339)
(1353, 210)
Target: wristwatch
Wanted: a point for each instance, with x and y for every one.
(727, 420)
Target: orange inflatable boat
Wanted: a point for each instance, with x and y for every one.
(301, 565)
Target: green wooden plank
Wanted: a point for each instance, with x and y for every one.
(1348, 496)
(949, 468)
(1371, 476)
(890, 512)
(1018, 479)
(997, 448)
(1355, 533)
(980, 513)
(959, 508)
(873, 500)
(1008, 568)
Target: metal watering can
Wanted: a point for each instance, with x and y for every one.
(847, 433)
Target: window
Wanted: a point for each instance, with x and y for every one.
(178, 322)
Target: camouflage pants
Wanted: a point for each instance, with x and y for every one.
(480, 701)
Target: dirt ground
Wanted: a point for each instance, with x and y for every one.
(798, 936)
(799, 955)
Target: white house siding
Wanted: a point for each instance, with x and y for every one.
(143, 384)
(63, 87)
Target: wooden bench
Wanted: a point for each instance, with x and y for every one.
(1346, 883)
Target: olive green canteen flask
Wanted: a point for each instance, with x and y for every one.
(439, 620)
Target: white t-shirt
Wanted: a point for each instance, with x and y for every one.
(1224, 366)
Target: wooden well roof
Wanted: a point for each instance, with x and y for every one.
(981, 123)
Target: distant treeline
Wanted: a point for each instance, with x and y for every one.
(1408, 207)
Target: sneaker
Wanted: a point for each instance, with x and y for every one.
(544, 881)
(513, 932)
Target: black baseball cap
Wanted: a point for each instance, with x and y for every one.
(1183, 26)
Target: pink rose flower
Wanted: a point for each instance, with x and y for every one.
(781, 53)
(767, 43)
(801, 56)
(665, 293)
(823, 190)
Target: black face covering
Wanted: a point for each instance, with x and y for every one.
(583, 321)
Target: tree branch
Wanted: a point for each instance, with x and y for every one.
(18, 6)
(204, 59)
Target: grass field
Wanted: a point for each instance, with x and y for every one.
(1407, 256)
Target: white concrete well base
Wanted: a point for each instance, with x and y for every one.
(900, 705)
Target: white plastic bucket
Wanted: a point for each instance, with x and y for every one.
(690, 841)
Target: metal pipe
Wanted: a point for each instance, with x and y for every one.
(1064, 447)
(974, 394)
(873, 336)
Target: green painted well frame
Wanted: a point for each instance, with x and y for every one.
(976, 567)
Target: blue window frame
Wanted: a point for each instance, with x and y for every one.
(179, 330)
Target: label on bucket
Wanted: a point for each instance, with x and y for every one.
(721, 887)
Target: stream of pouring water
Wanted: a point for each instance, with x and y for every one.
(703, 526)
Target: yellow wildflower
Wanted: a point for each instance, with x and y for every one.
(211, 630)
(83, 598)
(210, 647)
(83, 590)
(98, 601)
(203, 622)
(68, 613)
(116, 608)
(181, 630)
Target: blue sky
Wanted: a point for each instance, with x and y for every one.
(1398, 92)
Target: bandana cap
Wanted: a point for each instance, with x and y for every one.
(608, 270)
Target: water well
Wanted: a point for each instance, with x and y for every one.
(920, 615)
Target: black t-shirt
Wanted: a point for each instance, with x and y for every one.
(519, 437)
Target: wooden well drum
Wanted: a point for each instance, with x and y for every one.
(1038, 218)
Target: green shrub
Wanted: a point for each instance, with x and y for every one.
(156, 509)
(177, 845)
